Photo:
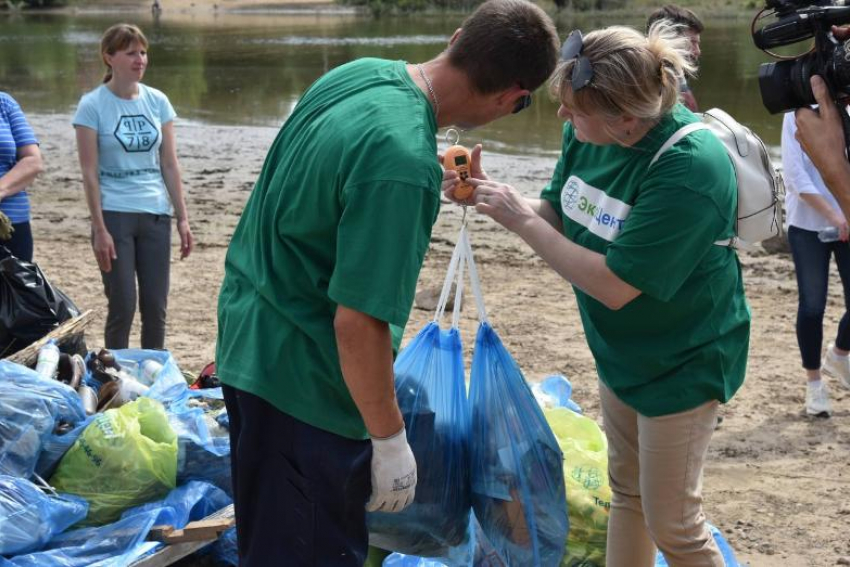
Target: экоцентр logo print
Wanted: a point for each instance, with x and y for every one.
(600, 213)
(136, 133)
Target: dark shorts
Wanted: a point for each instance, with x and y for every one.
(299, 491)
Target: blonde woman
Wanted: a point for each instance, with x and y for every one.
(128, 156)
(663, 307)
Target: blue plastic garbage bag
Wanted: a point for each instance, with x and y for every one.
(25, 422)
(728, 555)
(64, 401)
(169, 384)
(518, 489)
(192, 501)
(555, 392)
(402, 560)
(122, 542)
(203, 444)
(30, 407)
(432, 397)
(224, 550)
(29, 518)
(431, 392)
(116, 544)
(196, 462)
(55, 446)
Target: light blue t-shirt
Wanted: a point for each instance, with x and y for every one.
(129, 135)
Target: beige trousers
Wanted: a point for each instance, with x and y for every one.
(655, 468)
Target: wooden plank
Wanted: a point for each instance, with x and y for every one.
(200, 530)
(172, 553)
(62, 334)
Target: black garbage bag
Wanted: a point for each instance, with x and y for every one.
(30, 307)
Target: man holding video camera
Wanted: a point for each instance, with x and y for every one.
(821, 134)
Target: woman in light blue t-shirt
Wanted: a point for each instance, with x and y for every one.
(128, 156)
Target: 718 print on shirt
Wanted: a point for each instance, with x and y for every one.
(136, 133)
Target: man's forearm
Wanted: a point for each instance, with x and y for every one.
(837, 180)
(365, 355)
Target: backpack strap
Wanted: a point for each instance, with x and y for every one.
(684, 131)
(677, 135)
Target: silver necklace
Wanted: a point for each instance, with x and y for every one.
(430, 89)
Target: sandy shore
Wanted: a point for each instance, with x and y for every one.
(776, 483)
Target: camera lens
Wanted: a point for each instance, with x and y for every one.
(785, 85)
(839, 69)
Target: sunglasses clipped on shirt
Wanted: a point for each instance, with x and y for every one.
(582, 69)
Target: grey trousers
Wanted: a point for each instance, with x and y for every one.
(143, 246)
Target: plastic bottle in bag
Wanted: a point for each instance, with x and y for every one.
(48, 360)
(148, 371)
(829, 234)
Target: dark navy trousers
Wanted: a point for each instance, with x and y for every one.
(811, 262)
(299, 492)
(21, 244)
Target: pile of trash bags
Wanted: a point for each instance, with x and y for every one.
(78, 487)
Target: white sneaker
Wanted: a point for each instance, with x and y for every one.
(837, 365)
(817, 400)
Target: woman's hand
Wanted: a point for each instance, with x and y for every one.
(451, 178)
(503, 203)
(837, 220)
(104, 249)
(187, 241)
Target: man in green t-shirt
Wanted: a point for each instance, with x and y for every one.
(324, 260)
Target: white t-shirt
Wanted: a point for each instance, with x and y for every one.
(801, 176)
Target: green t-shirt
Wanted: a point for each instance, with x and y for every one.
(684, 340)
(341, 214)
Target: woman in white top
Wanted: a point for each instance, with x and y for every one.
(810, 207)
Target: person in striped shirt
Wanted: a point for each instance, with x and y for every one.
(20, 164)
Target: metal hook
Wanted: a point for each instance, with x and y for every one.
(449, 133)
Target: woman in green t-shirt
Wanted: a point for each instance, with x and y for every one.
(662, 306)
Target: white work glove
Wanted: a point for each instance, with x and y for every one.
(393, 474)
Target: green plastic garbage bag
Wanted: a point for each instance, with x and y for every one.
(125, 457)
(588, 492)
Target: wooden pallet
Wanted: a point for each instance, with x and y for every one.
(180, 543)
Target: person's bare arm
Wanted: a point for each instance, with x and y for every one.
(366, 358)
(28, 166)
(102, 244)
(174, 184)
(583, 268)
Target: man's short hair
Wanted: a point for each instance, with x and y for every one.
(677, 15)
(505, 43)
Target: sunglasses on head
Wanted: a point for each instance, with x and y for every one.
(582, 69)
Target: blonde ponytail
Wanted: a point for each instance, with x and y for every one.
(633, 74)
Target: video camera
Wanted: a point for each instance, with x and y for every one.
(785, 84)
